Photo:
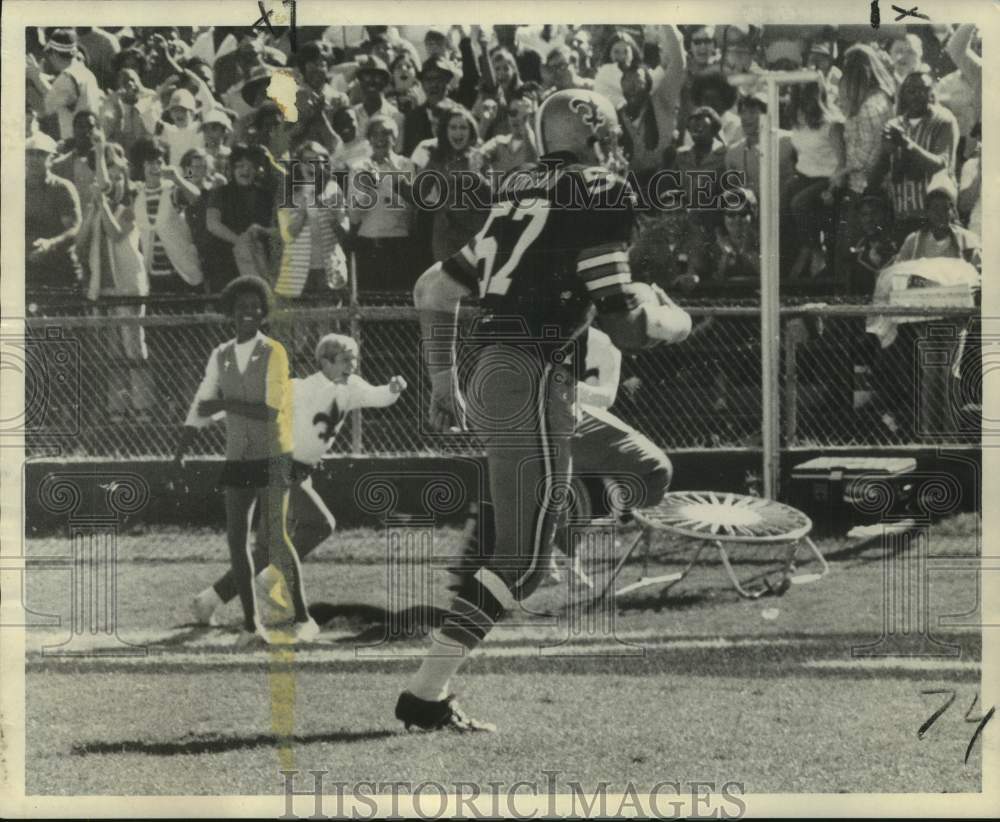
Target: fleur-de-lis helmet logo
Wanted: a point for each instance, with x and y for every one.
(589, 112)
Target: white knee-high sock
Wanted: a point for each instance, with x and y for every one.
(443, 660)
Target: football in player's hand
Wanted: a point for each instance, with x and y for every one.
(628, 331)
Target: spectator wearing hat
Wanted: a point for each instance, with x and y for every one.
(181, 77)
(131, 112)
(821, 58)
(916, 144)
(100, 46)
(381, 215)
(435, 76)
(217, 129)
(373, 79)
(51, 221)
(941, 235)
(312, 230)
(184, 130)
(74, 87)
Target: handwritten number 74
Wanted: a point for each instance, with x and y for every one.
(934, 717)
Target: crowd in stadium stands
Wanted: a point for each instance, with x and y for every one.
(156, 156)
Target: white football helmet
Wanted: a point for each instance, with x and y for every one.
(579, 121)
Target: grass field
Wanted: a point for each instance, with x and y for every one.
(694, 685)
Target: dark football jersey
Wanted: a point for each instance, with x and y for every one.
(553, 248)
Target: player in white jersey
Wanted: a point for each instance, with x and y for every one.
(606, 448)
(320, 404)
(604, 445)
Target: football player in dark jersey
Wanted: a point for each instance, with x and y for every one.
(552, 252)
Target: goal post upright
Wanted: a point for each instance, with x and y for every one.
(770, 301)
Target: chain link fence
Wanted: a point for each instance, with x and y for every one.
(118, 385)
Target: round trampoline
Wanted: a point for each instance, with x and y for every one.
(721, 519)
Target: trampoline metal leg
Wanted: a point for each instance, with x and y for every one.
(802, 579)
(743, 592)
(669, 580)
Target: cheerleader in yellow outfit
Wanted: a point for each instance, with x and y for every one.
(247, 378)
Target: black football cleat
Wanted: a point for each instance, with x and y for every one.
(444, 715)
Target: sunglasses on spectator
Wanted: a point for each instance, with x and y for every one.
(703, 41)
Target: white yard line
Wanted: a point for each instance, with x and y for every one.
(213, 646)
(899, 663)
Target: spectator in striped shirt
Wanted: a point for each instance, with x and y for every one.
(312, 258)
(165, 238)
(916, 144)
